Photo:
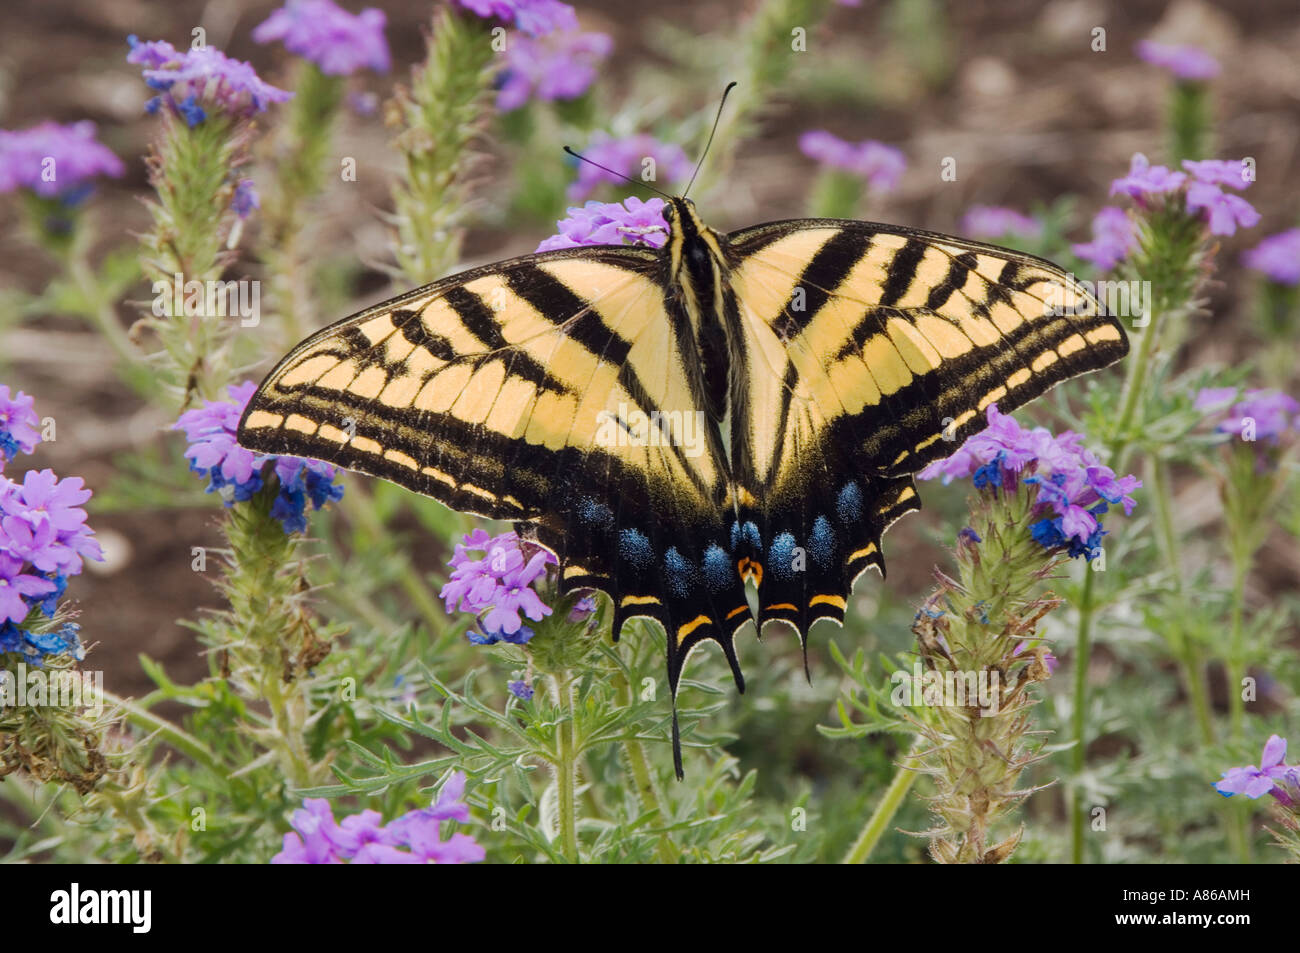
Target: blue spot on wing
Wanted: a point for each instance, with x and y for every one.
(748, 532)
(717, 568)
(780, 556)
(634, 547)
(849, 505)
(681, 574)
(595, 513)
(821, 544)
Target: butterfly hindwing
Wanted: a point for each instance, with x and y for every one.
(873, 351)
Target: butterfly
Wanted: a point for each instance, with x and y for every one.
(673, 424)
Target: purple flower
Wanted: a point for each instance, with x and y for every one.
(1230, 172)
(991, 221)
(521, 690)
(246, 198)
(628, 156)
(1185, 62)
(1277, 256)
(881, 165)
(192, 82)
(534, 17)
(631, 222)
(236, 473)
(54, 160)
(499, 584)
(338, 42)
(363, 839)
(1225, 212)
(581, 610)
(1145, 180)
(559, 66)
(41, 520)
(15, 584)
(1259, 415)
(1256, 782)
(18, 423)
(1113, 238)
(1074, 487)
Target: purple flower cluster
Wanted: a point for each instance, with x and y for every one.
(236, 473)
(631, 222)
(1113, 238)
(246, 198)
(1201, 187)
(1185, 62)
(991, 221)
(881, 165)
(1271, 777)
(338, 42)
(534, 17)
(55, 160)
(628, 156)
(558, 66)
(1264, 415)
(1278, 257)
(197, 80)
(497, 587)
(1074, 487)
(413, 838)
(44, 540)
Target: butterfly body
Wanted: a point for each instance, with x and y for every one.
(675, 424)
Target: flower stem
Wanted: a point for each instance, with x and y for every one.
(175, 736)
(566, 770)
(889, 804)
(642, 777)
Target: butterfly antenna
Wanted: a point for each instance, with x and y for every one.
(713, 132)
(620, 175)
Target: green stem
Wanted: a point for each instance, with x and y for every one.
(101, 312)
(889, 804)
(1079, 732)
(175, 736)
(643, 780)
(566, 771)
(1188, 651)
(1237, 647)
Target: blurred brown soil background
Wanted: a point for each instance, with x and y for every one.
(1028, 109)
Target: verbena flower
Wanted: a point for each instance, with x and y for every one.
(628, 156)
(17, 586)
(992, 221)
(414, 838)
(497, 587)
(1229, 172)
(1145, 180)
(882, 166)
(631, 222)
(558, 66)
(1074, 489)
(1256, 782)
(1264, 415)
(1278, 257)
(198, 80)
(1185, 62)
(55, 160)
(534, 17)
(18, 423)
(521, 690)
(338, 42)
(42, 521)
(1224, 212)
(246, 199)
(236, 473)
(1113, 237)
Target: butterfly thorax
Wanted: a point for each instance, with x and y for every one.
(699, 290)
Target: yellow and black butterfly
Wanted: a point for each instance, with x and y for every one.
(674, 423)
